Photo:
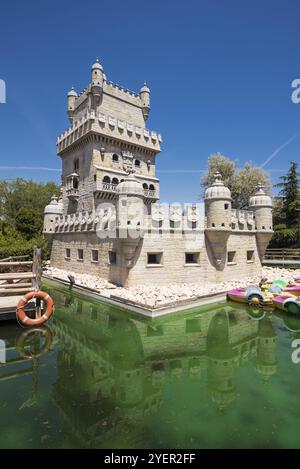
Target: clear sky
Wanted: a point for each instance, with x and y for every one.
(220, 74)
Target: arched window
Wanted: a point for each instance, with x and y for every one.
(106, 179)
(115, 157)
(145, 186)
(137, 163)
(151, 187)
(76, 164)
(115, 181)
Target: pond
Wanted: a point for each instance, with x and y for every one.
(222, 376)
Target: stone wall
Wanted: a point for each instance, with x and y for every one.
(175, 270)
(172, 269)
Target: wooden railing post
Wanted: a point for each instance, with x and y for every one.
(37, 268)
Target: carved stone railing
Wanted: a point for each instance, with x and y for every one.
(107, 186)
(151, 194)
(72, 193)
(243, 218)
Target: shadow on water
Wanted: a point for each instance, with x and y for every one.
(96, 376)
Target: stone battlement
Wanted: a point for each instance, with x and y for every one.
(111, 127)
(163, 216)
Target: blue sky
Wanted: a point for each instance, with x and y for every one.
(220, 74)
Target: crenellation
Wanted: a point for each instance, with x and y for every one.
(108, 126)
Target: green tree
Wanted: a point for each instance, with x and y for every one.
(241, 182)
(290, 195)
(28, 223)
(22, 206)
(20, 193)
(223, 165)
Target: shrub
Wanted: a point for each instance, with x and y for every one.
(287, 237)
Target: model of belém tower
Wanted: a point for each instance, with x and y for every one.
(109, 180)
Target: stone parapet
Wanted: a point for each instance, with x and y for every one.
(111, 127)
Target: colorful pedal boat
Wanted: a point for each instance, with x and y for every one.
(253, 297)
(292, 289)
(287, 303)
(281, 287)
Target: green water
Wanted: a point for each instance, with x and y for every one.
(208, 378)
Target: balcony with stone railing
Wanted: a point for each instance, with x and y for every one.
(72, 193)
(107, 190)
(151, 194)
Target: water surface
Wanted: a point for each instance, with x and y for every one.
(208, 378)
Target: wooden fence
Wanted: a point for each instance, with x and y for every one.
(284, 257)
(19, 274)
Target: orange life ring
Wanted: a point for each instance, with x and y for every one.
(22, 316)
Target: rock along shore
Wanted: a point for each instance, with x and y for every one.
(153, 296)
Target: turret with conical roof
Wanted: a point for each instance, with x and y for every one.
(145, 99)
(51, 212)
(130, 216)
(218, 219)
(97, 81)
(261, 204)
(72, 95)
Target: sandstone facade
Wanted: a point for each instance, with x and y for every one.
(108, 222)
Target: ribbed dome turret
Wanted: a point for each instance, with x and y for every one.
(145, 88)
(54, 207)
(217, 190)
(260, 198)
(97, 65)
(72, 92)
(130, 186)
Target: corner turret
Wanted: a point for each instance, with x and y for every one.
(218, 219)
(72, 95)
(145, 99)
(97, 81)
(130, 216)
(51, 212)
(261, 205)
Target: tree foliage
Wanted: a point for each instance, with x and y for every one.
(241, 182)
(20, 193)
(27, 222)
(290, 195)
(285, 214)
(22, 206)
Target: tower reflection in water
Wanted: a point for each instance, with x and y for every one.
(114, 371)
